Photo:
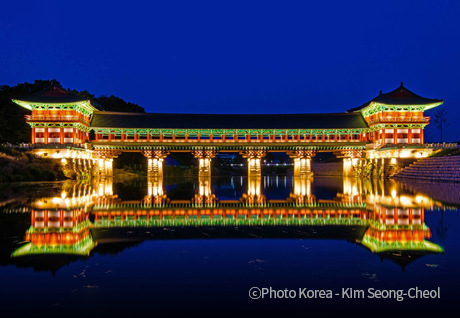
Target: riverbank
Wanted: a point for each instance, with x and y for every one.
(19, 166)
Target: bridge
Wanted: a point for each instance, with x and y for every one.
(69, 128)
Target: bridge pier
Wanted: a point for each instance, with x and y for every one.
(105, 161)
(204, 156)
(351, 160)
(155, 159)
(302, 162)
(254, 156)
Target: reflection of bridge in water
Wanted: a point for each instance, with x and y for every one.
(384, 220)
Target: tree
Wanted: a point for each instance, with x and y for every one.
(13, 127)
(441, 120)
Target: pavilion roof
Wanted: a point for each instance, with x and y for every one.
(399, 96)
(54, 93)
(103, 119)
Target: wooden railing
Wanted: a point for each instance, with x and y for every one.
(55, 118)
(425, 119)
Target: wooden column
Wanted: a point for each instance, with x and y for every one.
(409, 135)
(422, 137)
(395, 136)
(33, 135)
(45, 135)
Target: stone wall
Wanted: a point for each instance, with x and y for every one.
(327, 169)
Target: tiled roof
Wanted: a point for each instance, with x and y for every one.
(54, 93)
(228, 121)
(399, 96)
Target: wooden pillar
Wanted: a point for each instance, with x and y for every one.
(335, 137)
(409, 136)
(298, 137)
(186, 137)
(161, 137)
(348, 137)
(223, 137)
(33, 135)
(311, 137)
(274, 137)
(45, 135)
(322, 137)
(198, 138)
(395, 136)
(210, 137)
(174, 137)
(422, 137)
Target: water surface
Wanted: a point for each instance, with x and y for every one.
(184, 245)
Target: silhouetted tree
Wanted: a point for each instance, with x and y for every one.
(441, 120)
(13, 127)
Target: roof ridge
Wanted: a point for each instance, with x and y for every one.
(214, 114)
(54, 83)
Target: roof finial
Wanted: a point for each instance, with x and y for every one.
(380, 92)
(402, 84)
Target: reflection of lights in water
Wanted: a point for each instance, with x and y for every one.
(393, 193)
(355, 190)
(63, 195)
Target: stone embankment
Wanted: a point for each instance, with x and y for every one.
(327, 168)
(446, 168)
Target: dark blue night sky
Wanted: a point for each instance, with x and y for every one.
(238, 57)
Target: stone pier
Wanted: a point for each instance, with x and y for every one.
(204, 156)
(254, 155)
(302, 162)
(155, 159)
(105, 161)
